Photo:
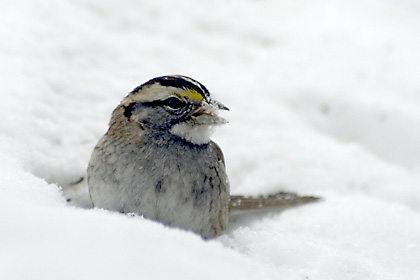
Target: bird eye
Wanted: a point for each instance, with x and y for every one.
(174, 103)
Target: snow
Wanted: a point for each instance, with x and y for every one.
(324, 99)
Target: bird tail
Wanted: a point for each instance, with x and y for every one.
(278, 200)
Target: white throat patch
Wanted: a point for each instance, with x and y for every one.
(196, 134)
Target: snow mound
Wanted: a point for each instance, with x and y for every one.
(324, 100)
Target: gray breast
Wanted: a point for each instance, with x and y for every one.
(179, 185)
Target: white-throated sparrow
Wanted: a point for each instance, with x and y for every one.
(157, 160)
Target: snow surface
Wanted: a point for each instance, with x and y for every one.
(324, 98)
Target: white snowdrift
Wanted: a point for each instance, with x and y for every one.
(324, 99)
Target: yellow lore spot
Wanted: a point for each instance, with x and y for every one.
(190, 94)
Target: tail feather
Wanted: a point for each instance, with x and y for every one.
(281, 199)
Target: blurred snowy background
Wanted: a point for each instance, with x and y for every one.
(324, 98)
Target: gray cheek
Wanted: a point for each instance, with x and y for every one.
(154, 117)
(141, 114)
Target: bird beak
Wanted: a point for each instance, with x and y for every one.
(205, 114)
(219, 105)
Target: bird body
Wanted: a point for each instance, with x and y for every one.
(177, 184)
